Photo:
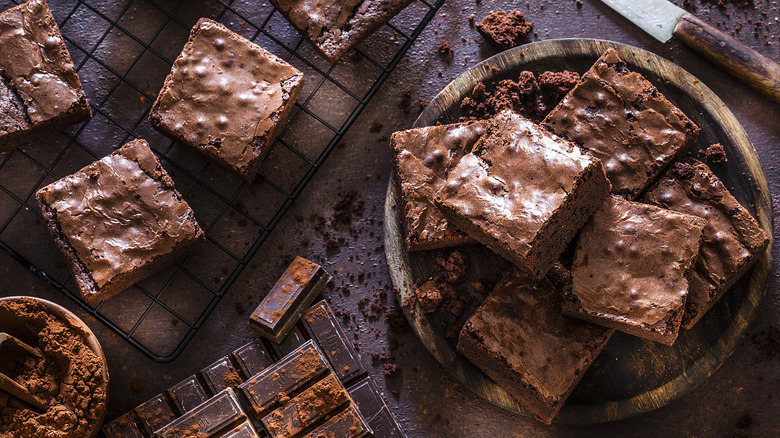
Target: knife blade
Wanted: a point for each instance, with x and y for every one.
(662, 20)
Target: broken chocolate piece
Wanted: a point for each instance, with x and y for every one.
(153, 414)
(347, 424)
(307, 408)
(284, 377)
(122, 427)
(251, 359)
(323, 327)
(220, 375)
(208, 420)
(369, 400)
(243, 430)
(291, 295)
(187, 395)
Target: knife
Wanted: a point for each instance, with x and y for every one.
(662, 20)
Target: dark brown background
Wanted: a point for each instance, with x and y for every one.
(742, 398)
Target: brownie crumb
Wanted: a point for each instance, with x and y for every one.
(444, 48)
(406, 97)
(453, 269)
(527, 96)
(342, 212)
(505, 30)
(391, 369)
(429, 296)
(716, 154)
(376, 126)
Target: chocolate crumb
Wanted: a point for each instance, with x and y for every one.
(453, 269)
(405, 99)
(391, 369)
(716, 154)
(429, 296)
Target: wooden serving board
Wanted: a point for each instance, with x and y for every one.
(632, 375)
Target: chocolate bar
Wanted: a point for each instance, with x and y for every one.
(187, 395)
(322, 325)
(220, 375)
(251, 359)
(347, 424)
(243, 430)
(373, 407)
(285, 377)
(307, 408)
(291, 295)
(154, 414)
(123, 427)
(210, 419)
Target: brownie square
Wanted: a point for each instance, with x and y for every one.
(225, 97)
(631, 269)
(118, 221)
(523, 192)
(522, 341)
(620, 117)
(335, 27)
(423, 158)
(732, 241)
(40, 92)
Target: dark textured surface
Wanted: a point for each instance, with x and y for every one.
(741, 397)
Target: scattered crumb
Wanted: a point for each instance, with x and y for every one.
(391, 369)
(452, 269)
(429, 296)
(716, 154)
(406, 97)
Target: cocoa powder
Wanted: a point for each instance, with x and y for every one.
(69, 379)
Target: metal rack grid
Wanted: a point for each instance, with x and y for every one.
(123, 51)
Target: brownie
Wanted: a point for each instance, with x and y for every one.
(337, 26)
(118, 221)
(505, 30)
(523, 192)
(423, 157)
(40, 92)
(522, 341)
(631, 269)
(620, 117)
(226, 98)
(732, 241)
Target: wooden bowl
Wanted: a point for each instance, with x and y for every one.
(79, 325)
(632, 375)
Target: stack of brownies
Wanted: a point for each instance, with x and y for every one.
(658, 237)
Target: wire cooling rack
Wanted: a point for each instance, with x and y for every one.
(123, 51)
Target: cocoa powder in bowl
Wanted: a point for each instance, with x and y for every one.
(71, 379)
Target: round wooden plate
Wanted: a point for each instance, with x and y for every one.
(632, 375)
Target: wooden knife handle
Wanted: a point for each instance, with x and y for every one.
(739, 60)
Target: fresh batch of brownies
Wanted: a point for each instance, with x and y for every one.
(657, 236)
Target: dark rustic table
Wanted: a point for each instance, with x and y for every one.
(742, 398)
